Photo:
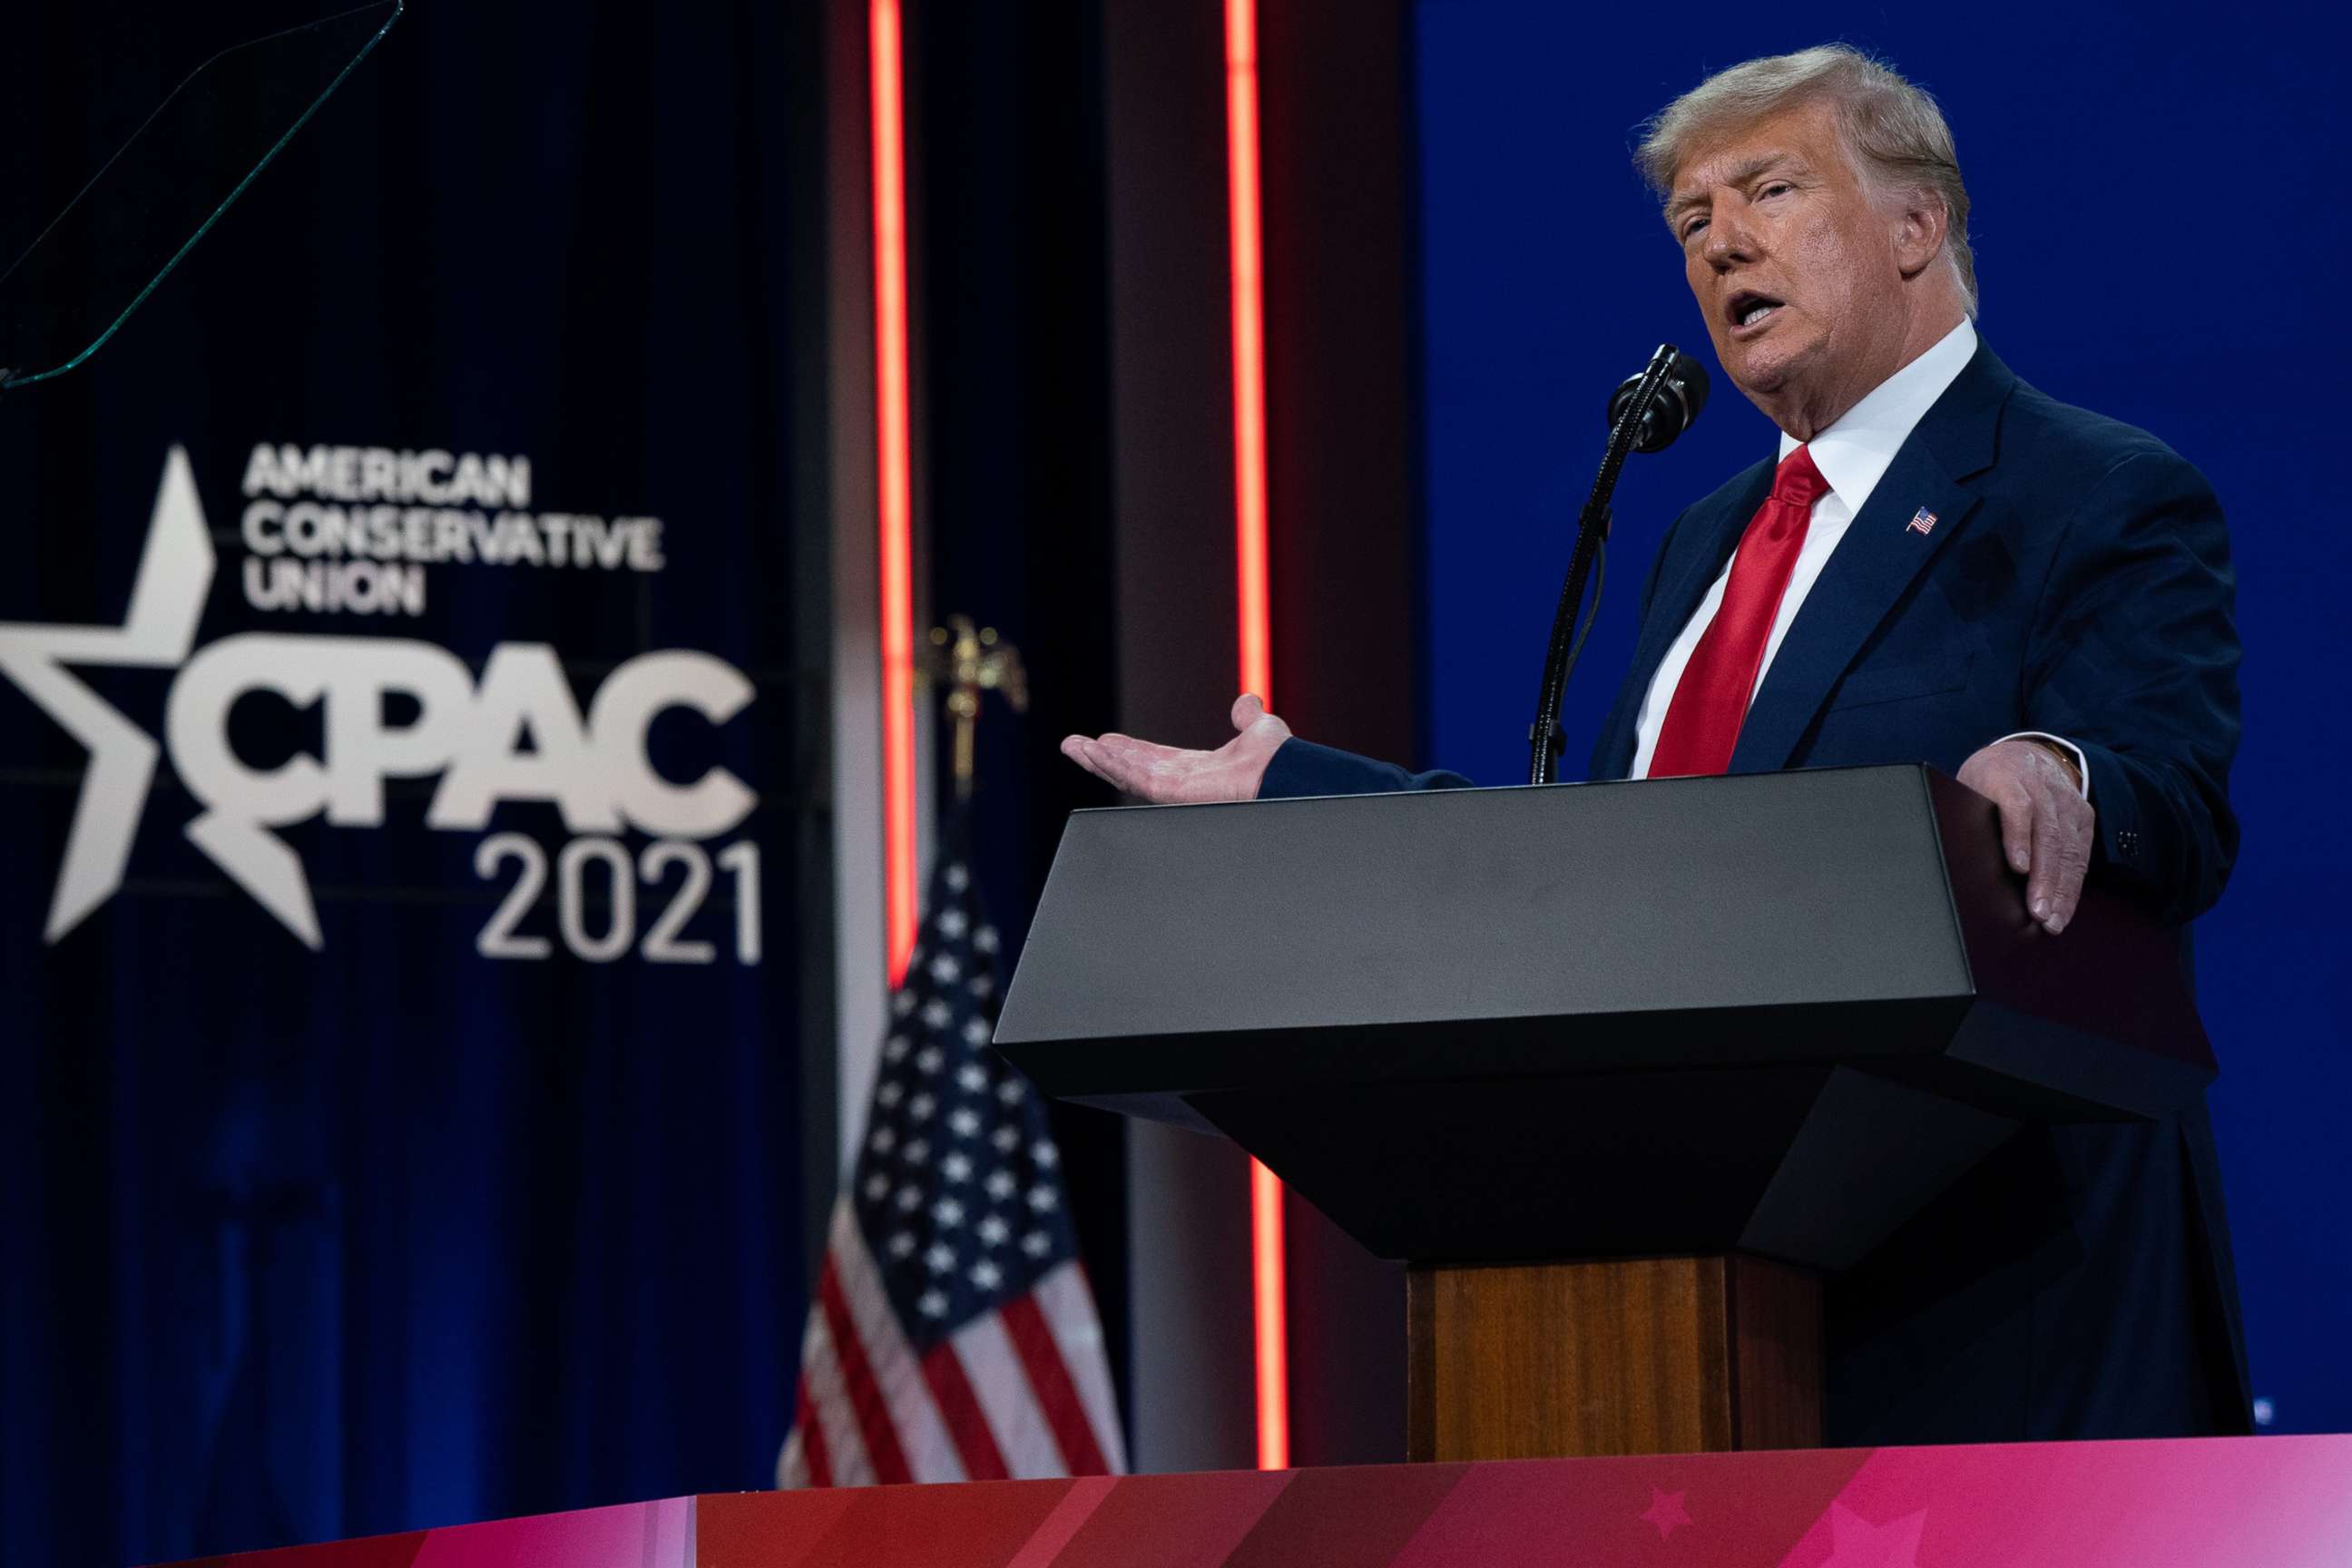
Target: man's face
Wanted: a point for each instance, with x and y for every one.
(1793, 263)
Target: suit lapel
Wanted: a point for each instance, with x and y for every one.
(1877, 561)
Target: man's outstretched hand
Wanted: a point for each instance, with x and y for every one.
(1167, 775)
(2045, 824)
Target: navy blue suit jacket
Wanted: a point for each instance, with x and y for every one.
(2076, 580)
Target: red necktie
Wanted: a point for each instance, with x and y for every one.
(1703, 720)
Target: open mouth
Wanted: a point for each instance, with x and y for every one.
(1749, 309)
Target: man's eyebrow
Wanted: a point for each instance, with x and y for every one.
(1683, 200)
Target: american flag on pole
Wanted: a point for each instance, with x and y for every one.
(953, 1336)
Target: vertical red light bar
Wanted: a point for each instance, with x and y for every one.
(895, 484)
(1266, 1285)
(1249, 348)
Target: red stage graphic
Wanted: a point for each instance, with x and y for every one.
(2282, 1502)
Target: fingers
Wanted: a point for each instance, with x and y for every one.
(2065, 862)
(1080, 750)
(1119, 769)
(1247, 711)
(2042, 882)
(2056, 829)
(1143, 769)
(2016, 832)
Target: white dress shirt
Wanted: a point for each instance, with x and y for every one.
(1853, 456)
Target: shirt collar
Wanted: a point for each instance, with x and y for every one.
(1853, 454)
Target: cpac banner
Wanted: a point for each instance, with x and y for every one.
(411, 847)
(359, 532)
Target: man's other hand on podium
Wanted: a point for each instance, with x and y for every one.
(2045, 822)
(1171, 775)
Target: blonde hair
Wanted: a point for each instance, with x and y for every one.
(1893, 130)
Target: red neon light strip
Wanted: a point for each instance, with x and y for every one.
(1266, 1286)
(895, 487)
(1249, 349)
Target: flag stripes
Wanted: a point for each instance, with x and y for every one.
(873, 1422)
(932, 1453)
(1014, 1413)
(829, 1402)
(1028, 1382)
(1069, 1307)
(975, 1444)
(1040, 1358)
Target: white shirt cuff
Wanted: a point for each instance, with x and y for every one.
(2082, 764)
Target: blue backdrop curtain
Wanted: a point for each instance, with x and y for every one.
(298, 1245)
(2075, 124)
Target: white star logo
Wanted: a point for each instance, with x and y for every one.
(964, 1121)
(986, 1275)
(993, 1230)
(1000, 1184)
(940, 1257)
(976, 1032)
(167, 599)
(932, 1304)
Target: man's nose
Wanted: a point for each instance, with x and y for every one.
(1729, 240)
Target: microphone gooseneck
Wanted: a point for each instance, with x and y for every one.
(1646, 412)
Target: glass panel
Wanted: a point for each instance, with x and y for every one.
(65, 294)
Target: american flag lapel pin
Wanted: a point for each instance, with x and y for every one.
(1923, 522)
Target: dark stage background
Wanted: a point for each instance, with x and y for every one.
(298, 1245)
(2153, 241)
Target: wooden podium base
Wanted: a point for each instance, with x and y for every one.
(1653, 1355)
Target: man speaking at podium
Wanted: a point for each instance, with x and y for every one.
(1939, 565)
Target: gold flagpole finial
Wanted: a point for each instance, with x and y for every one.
(972, 659)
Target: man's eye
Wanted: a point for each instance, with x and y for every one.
(1775, 188)
(1690, 229)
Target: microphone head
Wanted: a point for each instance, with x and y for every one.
(1682, 393)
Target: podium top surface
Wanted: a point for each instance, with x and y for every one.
(1841, 914)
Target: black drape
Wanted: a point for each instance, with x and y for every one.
(301, 1244)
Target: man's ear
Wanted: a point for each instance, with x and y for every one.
(1919, 232)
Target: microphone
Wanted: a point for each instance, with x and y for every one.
(1645, 414)
(1682, 393)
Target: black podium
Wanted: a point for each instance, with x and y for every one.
(1619, 1070)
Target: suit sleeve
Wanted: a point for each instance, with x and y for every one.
(2133, 659)
(1303, 768)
